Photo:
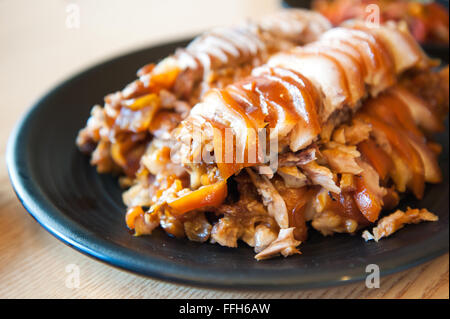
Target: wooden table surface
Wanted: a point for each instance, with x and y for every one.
(38, 50)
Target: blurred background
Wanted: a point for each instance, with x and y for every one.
(427, 19)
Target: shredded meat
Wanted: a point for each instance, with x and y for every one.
(342, 158)
(329, 222)
(137, 195)
(285, 245)
(372, 180)
(292, 176)
(397, 220)
(352, 134)
(101, 158)
(320, 175)
(197, 228)
(263, 237)
(247, 220)
(298, 158)
(145, 224)
(226, 232)
(88, 137)
(271, 198)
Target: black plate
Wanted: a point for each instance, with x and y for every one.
(59, 188)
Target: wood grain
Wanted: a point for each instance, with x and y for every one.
(32, 262)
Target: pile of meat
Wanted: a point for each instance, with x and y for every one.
(350, 115)
(117, 134)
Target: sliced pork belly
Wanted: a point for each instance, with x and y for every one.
(216, 110)
(419, 110)
(351, 66)
(378, 63)
(302, 104)
(390, 109)
(323, 72)
(301, 93)
(282, 99)
(214, 59)
(396, 38)
(398, 141)
(432, 172)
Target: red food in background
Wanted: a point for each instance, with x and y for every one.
(428, 22)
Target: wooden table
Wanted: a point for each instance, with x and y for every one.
(37, 51)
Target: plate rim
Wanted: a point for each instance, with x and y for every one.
(44, 212)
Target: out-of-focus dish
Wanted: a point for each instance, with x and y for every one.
(427, 21)
(350, 114)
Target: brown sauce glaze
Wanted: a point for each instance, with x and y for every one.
(273, 96)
